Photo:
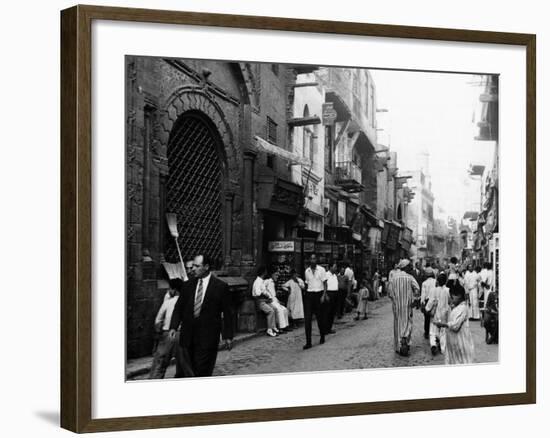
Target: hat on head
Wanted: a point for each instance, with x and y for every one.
(403, 263)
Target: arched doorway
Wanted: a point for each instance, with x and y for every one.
(194, 187)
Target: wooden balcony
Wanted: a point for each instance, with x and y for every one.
(348, 176)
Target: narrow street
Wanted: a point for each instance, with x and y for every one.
(356, 344)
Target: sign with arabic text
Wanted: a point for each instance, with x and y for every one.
(281, 246)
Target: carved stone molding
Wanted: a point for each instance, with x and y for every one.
(188, 98)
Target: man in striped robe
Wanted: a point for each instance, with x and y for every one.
(403, 290)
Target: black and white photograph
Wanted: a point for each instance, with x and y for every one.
(275, 219)
(285, 218)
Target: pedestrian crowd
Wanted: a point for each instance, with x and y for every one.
(323, 294)
(449, 299)
(196, 312)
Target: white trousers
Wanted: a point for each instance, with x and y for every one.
(473, 309)
(281, 314)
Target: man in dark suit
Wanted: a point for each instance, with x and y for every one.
(199, 310)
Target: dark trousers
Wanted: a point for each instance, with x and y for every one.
(312, 306)
(201, 358)
(426, 323)
(332, 308)
(341, 302)
(491, 328)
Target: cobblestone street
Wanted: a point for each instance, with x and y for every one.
(356, 344)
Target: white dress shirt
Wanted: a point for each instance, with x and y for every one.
(427, 286)
(258, 288)
(332, 281)
(486, 276)
(315, 279)
(470, 280)
(348, 272)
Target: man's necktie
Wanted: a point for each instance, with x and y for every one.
(198, 300)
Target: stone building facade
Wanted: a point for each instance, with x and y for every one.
(191, 150)
(261, 164)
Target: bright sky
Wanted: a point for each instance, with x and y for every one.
(434, 112)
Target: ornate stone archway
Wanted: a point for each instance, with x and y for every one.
(196, 98)
(199, 102)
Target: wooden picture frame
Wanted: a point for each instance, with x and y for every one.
(76, 217)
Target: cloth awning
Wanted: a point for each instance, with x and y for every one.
(265, 146)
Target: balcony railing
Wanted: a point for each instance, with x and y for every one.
(348, 175)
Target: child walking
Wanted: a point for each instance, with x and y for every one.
(362, 298)
(460, 344)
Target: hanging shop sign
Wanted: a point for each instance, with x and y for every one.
(324, 248)
(329, 114)
(281, 246)
(309, 246)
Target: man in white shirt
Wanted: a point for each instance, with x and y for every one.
(427, 287)
(352, 285)
(315, 278)
(263, 300)
(332, 292)
(168, 347)
(452, 271)
(351, 277)
(471, 280)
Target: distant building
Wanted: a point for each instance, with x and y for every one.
(420, 215)
(352, 227)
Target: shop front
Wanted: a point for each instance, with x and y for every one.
(405, 242)
(346, 246)
(283, 256)
(390, 242)
(278, 207)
